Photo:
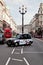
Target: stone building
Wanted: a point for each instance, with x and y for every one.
(5, 17)
(37, 20)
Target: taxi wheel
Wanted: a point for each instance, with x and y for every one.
(16, 44)
(30, 43)
(9, 44)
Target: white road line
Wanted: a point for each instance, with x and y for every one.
(22, 46)
(17, 49)
(13, 51)
(26, 61)
(16, 53)
(22, 51)
(8, 61)
(33, 52)
(17, 59)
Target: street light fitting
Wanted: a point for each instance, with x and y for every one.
(22, 5)
(25, 11)
(19, 11)
(22, 9)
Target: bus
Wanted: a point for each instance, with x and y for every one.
(7, 32)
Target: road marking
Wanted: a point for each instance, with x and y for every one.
(16, 53)
(33, 52)
(22, 51)
(17, 49)
(22, 46)
(26, 61)
(13, 51)
(8, 61)
(17, 59)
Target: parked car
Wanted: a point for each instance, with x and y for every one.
(1, 38)
(20, 39)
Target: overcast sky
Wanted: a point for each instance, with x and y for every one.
(32, 9)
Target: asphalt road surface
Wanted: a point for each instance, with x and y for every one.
(22, 55)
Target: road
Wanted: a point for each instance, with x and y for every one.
(22, 55)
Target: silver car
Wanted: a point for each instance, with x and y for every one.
(20, 39)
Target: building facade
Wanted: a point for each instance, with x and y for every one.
(37, 20)
(40, 12)
(5, 17)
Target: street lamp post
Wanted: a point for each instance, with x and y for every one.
(22, 11)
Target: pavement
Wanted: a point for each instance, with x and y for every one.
(22, 55)
(40, 39)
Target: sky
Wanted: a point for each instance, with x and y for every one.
(31, 5)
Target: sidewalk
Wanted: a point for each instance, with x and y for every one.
(41, 39)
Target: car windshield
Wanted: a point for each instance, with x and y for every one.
(23, 36)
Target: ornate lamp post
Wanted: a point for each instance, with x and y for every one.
(22, 11)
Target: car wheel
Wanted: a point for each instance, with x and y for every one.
(9, 43)
(16, 44)
(30, 43)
